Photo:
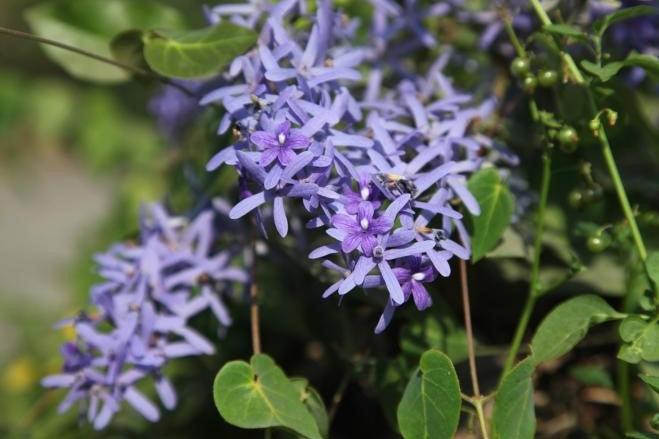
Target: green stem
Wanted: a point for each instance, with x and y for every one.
(478, 403)
(534, 285)
(626, 416)
(606, 151)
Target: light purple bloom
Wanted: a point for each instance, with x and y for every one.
(280, 144)
(361, 229)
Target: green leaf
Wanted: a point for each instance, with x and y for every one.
(430, 407)
(567, 324)
(91, 25)
(565, 30)
(651, 381)
(605, 72)
(259, 395)
(497, 205)
(592, 375)
(314, 403)
(600, 26)
(198, 53)
(514, 412)
(641, 340)
(128, 48)
(650, 63)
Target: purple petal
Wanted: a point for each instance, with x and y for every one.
(368, 244)
(395, 207)
(395, 291)
(417, 248)
(264, 139)
(351, 242)
(363, 266)
(281, 223)
(346, 223)
(273, 177)
(224, 155)
(386, 317)
(247, 205)
(440, 261)
(323, 251)
(428, 179)
(455, 248)
(166, 392)
(140, 403)
(420, 295)
(252, 168)
(467, 198)
(297, 165)
(268, 156)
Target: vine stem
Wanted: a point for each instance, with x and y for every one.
(477, 400)
(534, 283)
(127, 67)
(607, 153)
(254, 305)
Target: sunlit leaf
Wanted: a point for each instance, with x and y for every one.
(567, 324)
(196, 54)
(259, 395)
(514, 412)
(91, 25)
(430, 407)
(497, 206)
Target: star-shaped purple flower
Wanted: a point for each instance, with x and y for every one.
(361, 230)
(280, 144)
(411, 275)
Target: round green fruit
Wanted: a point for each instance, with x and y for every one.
(547, 78)
(520, 67)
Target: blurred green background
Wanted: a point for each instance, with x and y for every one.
(76, 160)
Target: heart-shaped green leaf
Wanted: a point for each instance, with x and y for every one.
(567, 324)
(91, 25)
(196, 54)
(641, 340)
(259, 395)
(514, 412)
(430, 407)
(314, 403)
(497, 205)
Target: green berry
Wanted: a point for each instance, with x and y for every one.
(575, 198)
(594, 126)
(529, 83)
(598, 242)
(520, 67)
(547, 78)
(568, 139)
(592, 195)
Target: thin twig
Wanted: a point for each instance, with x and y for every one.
(254, 304)
(338, 395)
(477, 400)
(470, 334)
(138, 71)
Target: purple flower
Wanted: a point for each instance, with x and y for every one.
(151, 289)
(279, 144)
(361, 229)
(411, 275)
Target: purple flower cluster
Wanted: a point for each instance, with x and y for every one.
(379, 168)
(150, 292)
